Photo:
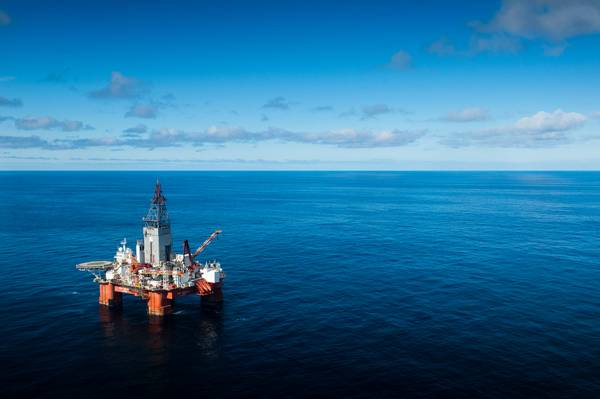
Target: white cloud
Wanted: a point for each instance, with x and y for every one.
(57, 76)
(498, 43)
(322, 108)
(551, 121)
(467, 115)
(10, 102)
(442, 46)
(353, 138)
(168, 137)
(120, 86)
(400, 61)
(495, 43)
(147, 111)
(278, 103)
(543, 129)
(553, 20)
(135, 130)
(549, 23)
(49, 123)
(73, 126)
(372, 111)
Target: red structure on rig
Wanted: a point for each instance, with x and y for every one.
(155, 273)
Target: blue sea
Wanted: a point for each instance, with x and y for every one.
(339, 284)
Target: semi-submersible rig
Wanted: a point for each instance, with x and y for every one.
(155, 273)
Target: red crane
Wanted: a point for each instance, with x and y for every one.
(205, 243)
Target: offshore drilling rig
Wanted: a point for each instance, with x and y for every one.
(155, 273)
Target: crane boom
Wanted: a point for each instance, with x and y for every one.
(205, 243)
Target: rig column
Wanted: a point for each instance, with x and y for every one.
(159, 304)
(217, 293)
(108, 296)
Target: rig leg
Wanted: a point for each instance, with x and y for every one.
(108, 296)
(159, 304)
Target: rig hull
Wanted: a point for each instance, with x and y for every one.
(159, 302)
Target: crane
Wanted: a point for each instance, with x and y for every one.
(205, 243)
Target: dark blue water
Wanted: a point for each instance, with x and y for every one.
(338, 284)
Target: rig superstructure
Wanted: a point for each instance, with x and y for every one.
(154, 273)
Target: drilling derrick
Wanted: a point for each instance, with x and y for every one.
(155, 273)
(157, 230)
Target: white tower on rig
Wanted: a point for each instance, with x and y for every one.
(158, 243)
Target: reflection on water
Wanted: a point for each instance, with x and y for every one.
(110, 320)
(209, 329)
(158, 339)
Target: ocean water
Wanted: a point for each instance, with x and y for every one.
(339, 284)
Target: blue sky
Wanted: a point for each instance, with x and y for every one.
(300, 85)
